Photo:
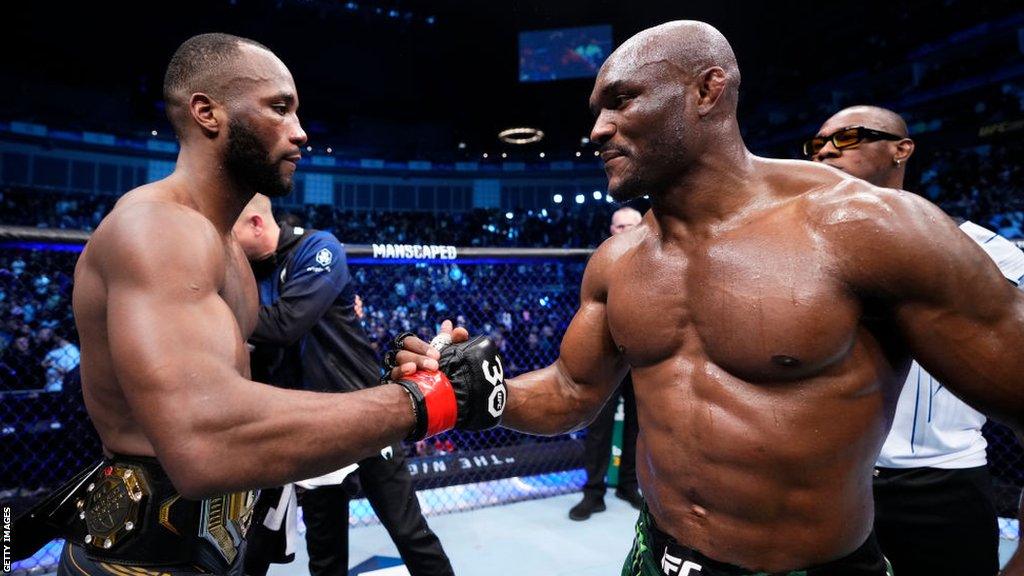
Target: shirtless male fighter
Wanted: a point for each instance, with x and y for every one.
(768, 310)
(164, 300)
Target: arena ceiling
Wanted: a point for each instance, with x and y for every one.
(406, 78)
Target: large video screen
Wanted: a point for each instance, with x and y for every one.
(563, 53)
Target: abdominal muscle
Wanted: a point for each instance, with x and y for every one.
(767, 476)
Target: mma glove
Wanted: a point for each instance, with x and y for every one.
(467, 393)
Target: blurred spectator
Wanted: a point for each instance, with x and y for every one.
(20, 365)
(59, 362)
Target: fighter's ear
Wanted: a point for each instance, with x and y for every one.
(711, 84)
(207, 113)
(904, 148)
(256, 221)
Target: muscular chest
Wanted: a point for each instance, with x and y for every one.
(240, 293)
(760, 308)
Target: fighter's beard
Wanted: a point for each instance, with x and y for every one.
(628, 189)
(248, 163)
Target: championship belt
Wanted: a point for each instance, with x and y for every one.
(112, 503)
(126, 511)
(225, 521)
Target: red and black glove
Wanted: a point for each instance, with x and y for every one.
(468, 392)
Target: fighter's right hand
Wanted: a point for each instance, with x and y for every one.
(472, 399)
(407, 355)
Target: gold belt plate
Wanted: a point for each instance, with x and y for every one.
(112, 503)
(225, 521)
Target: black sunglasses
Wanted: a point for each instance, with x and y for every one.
(845, 138)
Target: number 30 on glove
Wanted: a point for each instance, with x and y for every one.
(468, 392)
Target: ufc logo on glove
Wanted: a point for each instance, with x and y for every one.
(467, 393)
(496, 401)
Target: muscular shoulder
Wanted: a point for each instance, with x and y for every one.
(879, 236)
(855, 213)
(145, 236)
(608, 256)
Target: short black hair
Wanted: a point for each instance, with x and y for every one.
(192, 63)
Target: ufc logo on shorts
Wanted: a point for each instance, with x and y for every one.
(670, 565)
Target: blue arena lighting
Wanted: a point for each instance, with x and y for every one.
(43, 246)
(580, 198)
(370, 261)
(509, 215)
(597, 194)
(557, 198)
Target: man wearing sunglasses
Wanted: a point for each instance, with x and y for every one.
(932, 489)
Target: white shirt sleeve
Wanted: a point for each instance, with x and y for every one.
(1006, 255)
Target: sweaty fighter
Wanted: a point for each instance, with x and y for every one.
(768, 310)
(164, 300)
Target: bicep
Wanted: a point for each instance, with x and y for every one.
(948, 292)
(960, 318)
(589, 355)
(171, 356)
(174, 342)
(975, 354)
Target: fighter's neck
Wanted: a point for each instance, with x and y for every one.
(205, 186)
(715, 190)
(893, 180)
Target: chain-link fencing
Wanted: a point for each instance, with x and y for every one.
(524, 299)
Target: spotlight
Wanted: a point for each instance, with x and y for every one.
(524, 135)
